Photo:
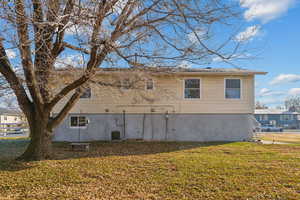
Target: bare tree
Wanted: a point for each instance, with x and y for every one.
(292, 104)
(102, 33)
(259, 105)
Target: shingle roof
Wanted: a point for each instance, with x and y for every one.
(179, 70)
(207, 70)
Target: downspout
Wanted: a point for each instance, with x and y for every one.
(124, 124)
(79, 133)
(143, 133)
(152, 132)
(167, 124)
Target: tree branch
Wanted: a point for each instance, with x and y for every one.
(94, 60)
(25, 50)
(65, 110)
(14, 82)
(70, 46)
(58, 45)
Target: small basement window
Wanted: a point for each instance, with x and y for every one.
(149, 84)
(115, 135)
(233, 88)
(192, 89)
(78, 121)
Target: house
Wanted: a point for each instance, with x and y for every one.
(177, 104)
(10, 120)
(280, 118)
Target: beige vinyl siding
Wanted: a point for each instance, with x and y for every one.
(168, 95)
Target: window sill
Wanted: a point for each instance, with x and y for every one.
(192, 99)
(78, 127)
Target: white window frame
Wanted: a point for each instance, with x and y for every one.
(200, 88)
(153, 84)
(78, 127)
(241, 89)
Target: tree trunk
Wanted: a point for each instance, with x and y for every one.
(40, 146)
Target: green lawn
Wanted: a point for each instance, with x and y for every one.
(141, 170)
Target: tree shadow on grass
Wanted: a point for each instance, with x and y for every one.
(11, 149)
(63, 150)
(13, 165)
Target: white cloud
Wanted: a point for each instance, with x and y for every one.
(70, 61)
(231, 57)
(248, 34)
(265, 10)
(184, 64)
(193, 36)
(285, 78)
(294, 91)
(119, 6)
(272, 101)
(217, 59)
(79, 30)
(264, 92)
(11, 54)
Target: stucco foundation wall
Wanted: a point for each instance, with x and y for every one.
(162, 127)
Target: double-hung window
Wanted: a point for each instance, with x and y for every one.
(233, 88)
(192, 88)
(78, 121)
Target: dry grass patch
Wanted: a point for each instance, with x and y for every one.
(141, 170)
(281, 137)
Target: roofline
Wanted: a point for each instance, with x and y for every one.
(193, 73)
(165, 71)
(277, 113)
(223, 73)
(12, 114)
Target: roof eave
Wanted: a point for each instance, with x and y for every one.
(222, 73)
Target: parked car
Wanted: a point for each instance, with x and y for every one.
(270, 128)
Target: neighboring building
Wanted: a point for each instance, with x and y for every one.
(279, 118)
(10, 120)
(170, 104)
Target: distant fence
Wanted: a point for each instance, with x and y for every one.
(13, 128)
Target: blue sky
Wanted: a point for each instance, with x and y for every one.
(278, 53)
